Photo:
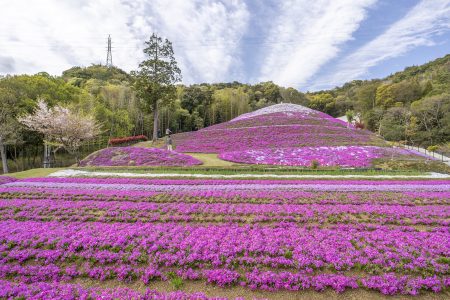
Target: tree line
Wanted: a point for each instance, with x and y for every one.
(412, 105)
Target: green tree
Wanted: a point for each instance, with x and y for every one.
(365, 96)
(9, 127)
(432, 114)
(291, 95)
(41, 86)
(394, 124)
(155, 79)
(406, 91)
(385, 96)
(195, 96)
(350, 115)
(323, 102)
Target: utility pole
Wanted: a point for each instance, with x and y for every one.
(109, 54)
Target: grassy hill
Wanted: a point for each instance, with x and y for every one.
(289, 134)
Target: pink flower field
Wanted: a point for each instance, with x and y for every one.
(6, 179)
(138, 156)
(121, 238)
(291, 135)
(343, 156)
(149, 238)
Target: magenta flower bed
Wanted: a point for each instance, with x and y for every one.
(44, 291)
(344, 156)
(138, 156)
(224, 186)
(390, 236)
(6, 179)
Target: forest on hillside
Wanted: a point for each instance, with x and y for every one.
(411, 106)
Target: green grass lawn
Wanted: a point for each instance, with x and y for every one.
(39, 172)
(208, 159)
(149, 144)
(223, 170)
(248, 169)
(211, 160)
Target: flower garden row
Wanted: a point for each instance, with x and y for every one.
(99, 210)
(389, 236)
(255, 197)
(44, 291)
(233, 185)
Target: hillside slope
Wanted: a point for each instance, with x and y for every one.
(138, 156)
(288, 134)
(276, 126)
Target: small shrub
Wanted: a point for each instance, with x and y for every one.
(288, 254)
(359, 125)
(444, 260)
(177, 282)
(314, 164)
(127, 140)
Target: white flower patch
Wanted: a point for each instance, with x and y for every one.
(287, 108)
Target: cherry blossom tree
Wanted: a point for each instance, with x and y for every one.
(62, 127)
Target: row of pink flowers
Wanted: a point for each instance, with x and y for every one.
(6, 179)
(225, 182)
(99, 210)
(233, 185)
(45, 291)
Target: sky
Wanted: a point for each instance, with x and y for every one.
(305, 44)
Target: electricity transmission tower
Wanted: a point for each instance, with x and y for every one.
(109, 54)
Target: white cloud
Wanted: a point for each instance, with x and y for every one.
(205, 34)
(306, 35)
(299, 36)
(420, 25)
(52, 35)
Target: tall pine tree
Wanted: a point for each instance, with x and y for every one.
(155, 79)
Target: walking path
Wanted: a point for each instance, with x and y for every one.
(437, 156)
(79, 173)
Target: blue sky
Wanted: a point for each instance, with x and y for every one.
(309, 45)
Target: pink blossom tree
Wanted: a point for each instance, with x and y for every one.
(62, 127)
